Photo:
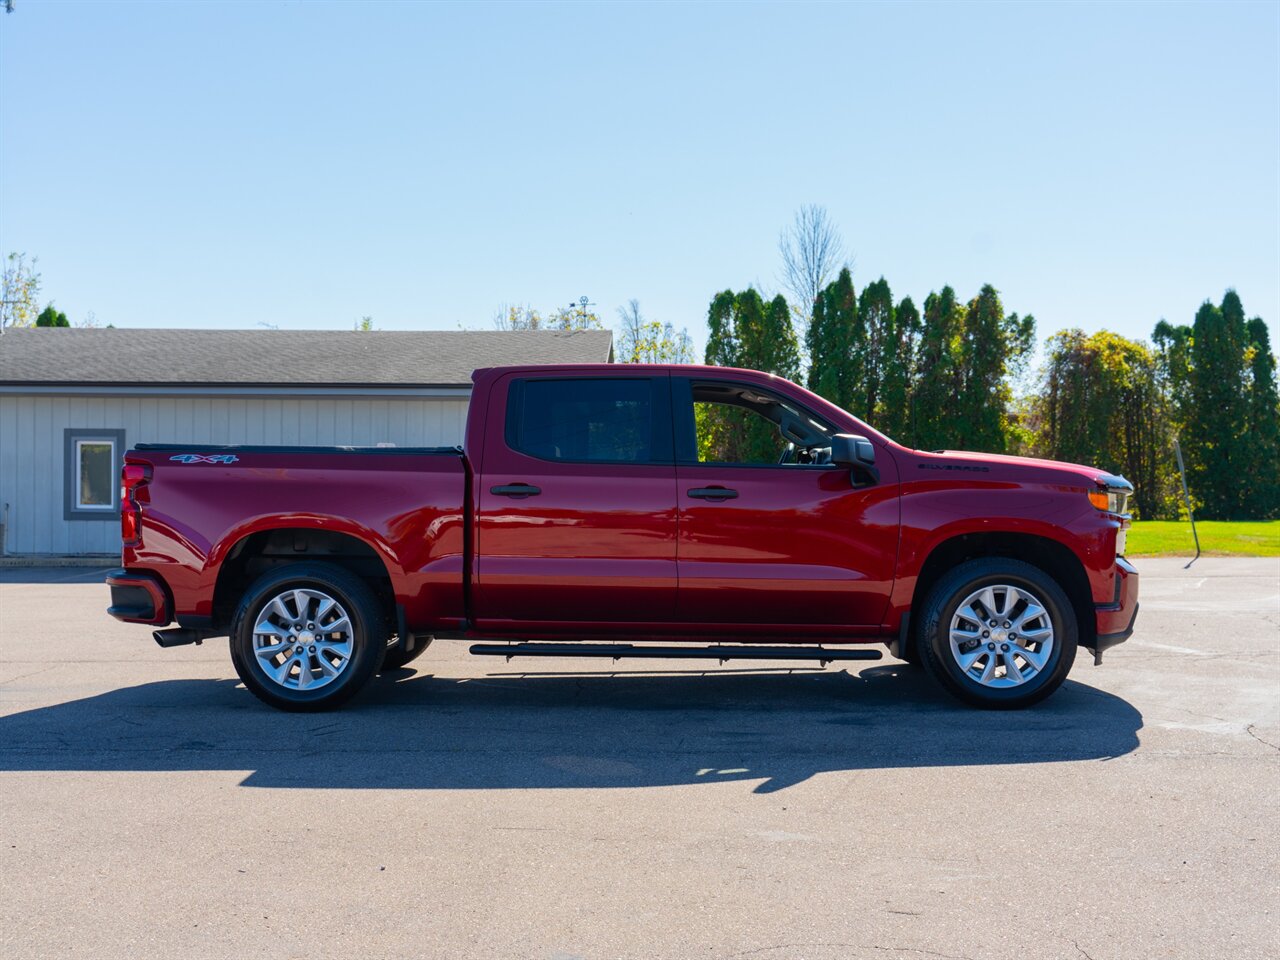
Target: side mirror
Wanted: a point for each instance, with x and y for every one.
(856, 453)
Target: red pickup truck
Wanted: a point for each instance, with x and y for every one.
(628, 511)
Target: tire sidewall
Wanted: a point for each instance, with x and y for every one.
(945, 599)
(368, 640)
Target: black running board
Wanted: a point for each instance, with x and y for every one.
(617, 651)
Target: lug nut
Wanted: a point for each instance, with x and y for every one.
(985, 634)
(1004, 647)
(312, 626)
(311, 649)
(298, 648)
(1006, 624)
(991, 646)
(1013, 636)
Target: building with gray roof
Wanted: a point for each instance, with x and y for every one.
(73, 400)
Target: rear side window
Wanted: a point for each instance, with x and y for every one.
(584, 420)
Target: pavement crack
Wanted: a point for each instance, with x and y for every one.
(24, 676)
(1083, 951)
(1249, 731)
(855, 946)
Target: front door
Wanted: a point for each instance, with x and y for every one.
(772, 536)
(575, 518)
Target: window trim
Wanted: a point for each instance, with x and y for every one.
(686, 431)
(660, 439)
(72, 439)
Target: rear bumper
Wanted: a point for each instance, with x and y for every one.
(1115, 620)
(138, 597)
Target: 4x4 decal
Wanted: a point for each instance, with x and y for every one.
(202, 458)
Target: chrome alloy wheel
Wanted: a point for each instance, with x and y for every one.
(1001, 636)
(302, 639)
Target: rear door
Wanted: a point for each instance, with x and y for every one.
(772, 537)
(576, 513)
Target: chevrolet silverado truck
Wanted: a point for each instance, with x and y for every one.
(628, 511)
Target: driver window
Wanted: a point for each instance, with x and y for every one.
(740, 424)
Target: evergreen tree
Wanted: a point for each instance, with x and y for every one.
(937, 381)
(1214, 427)
(746, 332)
(1262, 426)
(894, 416)
(722, 344)
(51, 317)
(766, 337)
(992, 348)
(873, 334)
(830, 341)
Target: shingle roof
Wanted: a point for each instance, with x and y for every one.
(282, 357)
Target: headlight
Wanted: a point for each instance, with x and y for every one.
(1112, 501)
(1112, 495)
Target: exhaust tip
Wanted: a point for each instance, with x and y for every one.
(177, 637)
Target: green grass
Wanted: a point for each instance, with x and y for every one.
(1157, 538)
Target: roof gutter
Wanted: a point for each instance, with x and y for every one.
(377, 390)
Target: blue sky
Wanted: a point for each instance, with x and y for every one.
(304, 164)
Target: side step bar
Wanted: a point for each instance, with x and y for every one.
(616, 651)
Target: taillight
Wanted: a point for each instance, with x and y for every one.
(132, 478)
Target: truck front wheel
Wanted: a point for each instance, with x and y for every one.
(307, 637)
(998, 633)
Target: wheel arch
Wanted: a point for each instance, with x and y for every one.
(1056, 559)
(264, 549)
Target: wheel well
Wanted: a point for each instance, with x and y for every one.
(1049, 555)
(257, 553)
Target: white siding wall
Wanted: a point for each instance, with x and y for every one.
(31, 445)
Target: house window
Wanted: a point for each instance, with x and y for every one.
(92, 478)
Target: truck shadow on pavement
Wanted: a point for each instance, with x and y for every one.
(540, 730)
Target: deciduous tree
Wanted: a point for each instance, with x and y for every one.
(812, 251)
(19, 291)
(649, 341)
(565, 318)
(1099, 404)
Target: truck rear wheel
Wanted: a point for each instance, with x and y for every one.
(998, 633)
(307, 637)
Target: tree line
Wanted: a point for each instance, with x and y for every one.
(943, 377)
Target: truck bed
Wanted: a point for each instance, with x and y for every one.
(246, 448)
(402, 508)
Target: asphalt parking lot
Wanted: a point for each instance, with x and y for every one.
(150, 807)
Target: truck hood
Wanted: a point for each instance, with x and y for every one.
(1000, 463)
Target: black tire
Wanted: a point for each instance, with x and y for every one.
(933, 635)
(368, 635)
(397, 656)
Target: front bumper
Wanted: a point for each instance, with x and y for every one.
(1115, 620)
(139, 597)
